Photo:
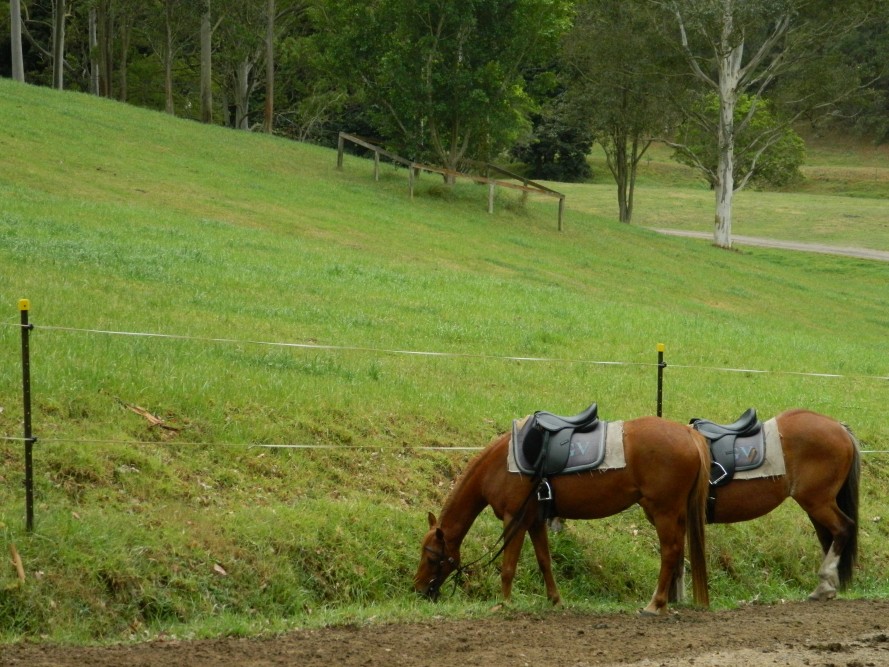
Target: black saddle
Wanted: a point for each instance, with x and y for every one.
(546, 438)
(746, 424)
(580, 422)
(723, 440)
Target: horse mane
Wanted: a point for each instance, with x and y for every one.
(475, 463)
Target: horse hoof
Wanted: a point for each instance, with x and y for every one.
(647, 613)
(822, 596)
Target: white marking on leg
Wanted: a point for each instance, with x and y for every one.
(828, 576)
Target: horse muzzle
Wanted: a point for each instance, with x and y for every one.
(430, 591)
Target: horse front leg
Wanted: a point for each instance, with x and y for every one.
(540, 540)
(511, 553)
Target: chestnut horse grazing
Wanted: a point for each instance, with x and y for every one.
(667, 472)
(823, 465)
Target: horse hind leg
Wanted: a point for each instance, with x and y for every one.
(832, 544)
(677, 585)
(828, 577)
(671, 534)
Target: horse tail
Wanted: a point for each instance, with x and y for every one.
(697, 518)
(847, 501)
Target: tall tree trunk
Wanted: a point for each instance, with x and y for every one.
(126, 29)
(58, 45)
(106, 59)
(94, 50)
(242, 94)
(729, 77)
(206, 67)
(168, 58)
(15, 21)
(268, 117)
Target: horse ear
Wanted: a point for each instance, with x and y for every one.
(432, 520)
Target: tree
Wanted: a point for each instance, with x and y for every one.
(206, 39)
(559, 143)
(93, 36)
(443, 79)
(58, 44)
(268, 119)
(15, 20)
(168, 24)
(778, 165)
(617, 68)
(758, 48)
(105, 41)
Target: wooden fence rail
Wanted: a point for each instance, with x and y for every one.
(526, 186)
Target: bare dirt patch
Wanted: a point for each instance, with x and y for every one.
(842, 633)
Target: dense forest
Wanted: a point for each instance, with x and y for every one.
(536, 82)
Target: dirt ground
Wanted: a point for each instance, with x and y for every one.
(841, 633)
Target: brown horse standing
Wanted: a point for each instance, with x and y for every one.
(667, 473)
(823, 467)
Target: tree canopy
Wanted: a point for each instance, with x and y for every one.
(447, 81)
(442, 79)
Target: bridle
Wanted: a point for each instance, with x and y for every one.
(509, 532)
(436, 581)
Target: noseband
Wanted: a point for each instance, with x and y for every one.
(441, 560)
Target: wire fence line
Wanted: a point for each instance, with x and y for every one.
(428, 353)
(378, 447)
(256, 445)
(375, 350)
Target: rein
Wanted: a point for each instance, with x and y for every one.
(506, 536)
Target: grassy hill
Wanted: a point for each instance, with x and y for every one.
(281, 306)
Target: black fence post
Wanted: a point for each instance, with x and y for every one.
(660, 378)
(24, 308)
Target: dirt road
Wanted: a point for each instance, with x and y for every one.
(863, 253)
(841, 633)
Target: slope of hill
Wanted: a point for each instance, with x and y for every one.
(319, 348)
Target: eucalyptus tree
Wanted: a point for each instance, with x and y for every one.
(442, 79)
(618, 72)
(760, 48)
(15, 40)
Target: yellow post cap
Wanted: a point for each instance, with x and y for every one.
(24, 304)
(660, 347)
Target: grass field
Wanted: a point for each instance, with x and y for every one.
(278, 301)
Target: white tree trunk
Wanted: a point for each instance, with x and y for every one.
(730, 54)
(94, 50)
(242, 94)
(15, 20)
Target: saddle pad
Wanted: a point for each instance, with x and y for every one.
(586, 449)
(773, 464)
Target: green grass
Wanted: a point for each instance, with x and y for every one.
(286, 294)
